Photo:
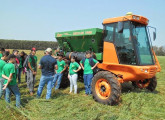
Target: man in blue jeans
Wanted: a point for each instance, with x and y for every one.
(59, 72)
(10, 84)
(47, 65)
(2, 64)
(88, 64)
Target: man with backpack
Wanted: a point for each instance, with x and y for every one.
(31, 63)
(88, 64)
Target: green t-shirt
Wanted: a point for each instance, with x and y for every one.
(20, 62)
(87, 66)
(2, 64)
(8, 69)
(30, 60)
(0, 55)
(61, 65)
(73, 66)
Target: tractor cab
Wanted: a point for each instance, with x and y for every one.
(131, 39)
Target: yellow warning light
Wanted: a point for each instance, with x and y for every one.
(129, 13)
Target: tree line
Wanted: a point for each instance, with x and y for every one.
(27, 44)
(160, 51)
(42, 45)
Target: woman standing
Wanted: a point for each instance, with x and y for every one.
(73, 76)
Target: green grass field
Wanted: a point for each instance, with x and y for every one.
(136, 104)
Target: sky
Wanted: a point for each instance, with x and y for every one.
(40, 19)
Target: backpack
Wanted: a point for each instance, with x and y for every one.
(91, 62)
(25, 64)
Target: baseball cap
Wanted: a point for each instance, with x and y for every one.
(33, 49)
(48, 50)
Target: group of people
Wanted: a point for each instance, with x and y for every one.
(11, 67)
(52, 67)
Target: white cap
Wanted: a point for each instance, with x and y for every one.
(48, 50)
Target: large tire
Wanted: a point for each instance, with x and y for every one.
(65, 81)
(149, 84)
(106, 89)
(153, 84)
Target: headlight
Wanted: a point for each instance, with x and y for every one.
(146, 71)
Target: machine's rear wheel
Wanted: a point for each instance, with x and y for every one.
(65, 81)
(149, 84)
(153, 84)
(105, 88)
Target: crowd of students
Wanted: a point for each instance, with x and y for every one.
(52, 65)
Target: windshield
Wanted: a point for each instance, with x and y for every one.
(142, 44)
(124, 46)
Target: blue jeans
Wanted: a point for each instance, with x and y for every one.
(58, 78)
(1, 86)
(45, 80)
(15, 90)
(87, 83)
(19, 74)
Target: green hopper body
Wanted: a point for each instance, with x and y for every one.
(81, 40)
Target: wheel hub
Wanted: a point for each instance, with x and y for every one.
(103, 88)
(143, 83)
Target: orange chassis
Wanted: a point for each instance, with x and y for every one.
(126, 73)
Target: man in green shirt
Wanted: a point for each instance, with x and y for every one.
(10, 84)
(59, 72)
(31, 70)
(1, 51)
(20, 67)
(2, 64)
(88, 64)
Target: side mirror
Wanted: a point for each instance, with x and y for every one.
(154, 36)
(120, 27)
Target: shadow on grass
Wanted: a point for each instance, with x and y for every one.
(58, 94)
(80, 89)
(128, 87)
(25, 100)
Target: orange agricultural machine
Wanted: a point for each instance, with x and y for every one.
(124, 51)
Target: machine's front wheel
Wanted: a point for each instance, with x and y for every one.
(149, 84)
(105, 88)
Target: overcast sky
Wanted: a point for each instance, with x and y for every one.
(40, 19)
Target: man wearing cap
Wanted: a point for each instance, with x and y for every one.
(47, 65)
(31, 70)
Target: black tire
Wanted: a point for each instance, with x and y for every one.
(134, 84)
(153, 84)
(115, 88)
(65, 81)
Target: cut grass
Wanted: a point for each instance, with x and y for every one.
(136, 104)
